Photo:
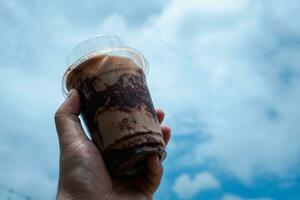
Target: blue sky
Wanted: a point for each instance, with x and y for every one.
(227, 73)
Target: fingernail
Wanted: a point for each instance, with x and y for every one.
(70, 93)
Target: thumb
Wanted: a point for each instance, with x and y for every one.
(67, 121)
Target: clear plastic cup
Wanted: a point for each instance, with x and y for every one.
(115, 102)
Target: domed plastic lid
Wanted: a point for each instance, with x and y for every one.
(101, 44)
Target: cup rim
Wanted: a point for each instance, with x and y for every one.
(102, 51)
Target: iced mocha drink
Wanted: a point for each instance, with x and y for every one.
(118, 111)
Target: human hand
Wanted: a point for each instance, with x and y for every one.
(83, 174)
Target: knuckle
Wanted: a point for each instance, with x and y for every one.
(62, 116)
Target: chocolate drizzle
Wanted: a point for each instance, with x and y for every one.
(118, 96)
(127, 91)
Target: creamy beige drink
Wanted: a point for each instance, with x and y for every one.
(118, 111)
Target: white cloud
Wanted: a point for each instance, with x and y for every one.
(226, 69)
(231, 197)
(186, 187)
(235, 197)
(225, 66)
(29, 147)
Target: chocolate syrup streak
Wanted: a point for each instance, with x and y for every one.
(119, 96)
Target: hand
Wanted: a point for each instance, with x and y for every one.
(83, 174)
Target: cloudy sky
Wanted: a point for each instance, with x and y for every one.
(226, 72)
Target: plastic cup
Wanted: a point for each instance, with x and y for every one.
(115, 102)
